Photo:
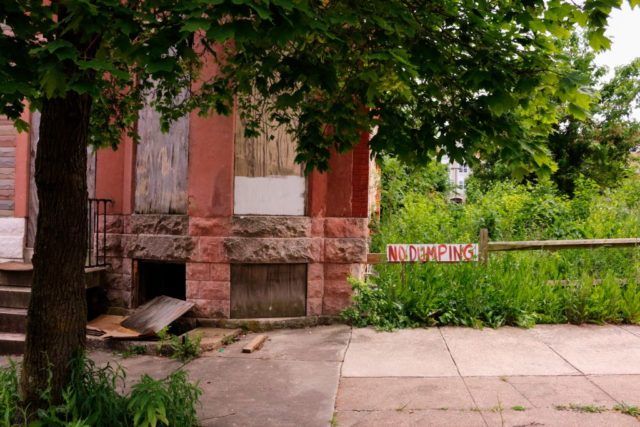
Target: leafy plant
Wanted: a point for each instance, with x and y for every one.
(184, 347)
(134, 350)
(522, 289)
(95, 397)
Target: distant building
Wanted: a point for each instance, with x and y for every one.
(458, 175)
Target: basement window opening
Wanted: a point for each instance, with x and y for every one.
(156, 278)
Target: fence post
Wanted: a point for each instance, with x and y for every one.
(483, 246)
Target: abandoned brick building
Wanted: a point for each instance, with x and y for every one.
(204, 214)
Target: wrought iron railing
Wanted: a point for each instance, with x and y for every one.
(97, 233)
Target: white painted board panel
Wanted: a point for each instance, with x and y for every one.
(269, 195)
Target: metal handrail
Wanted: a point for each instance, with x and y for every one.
(97, 214)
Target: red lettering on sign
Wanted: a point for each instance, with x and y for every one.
(392, 253)
(413, 253)
(457, 253)
(468, 252)
(402, 253)
(442, 250)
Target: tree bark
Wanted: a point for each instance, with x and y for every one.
(57, 313)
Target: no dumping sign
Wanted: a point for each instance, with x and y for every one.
(433, 252)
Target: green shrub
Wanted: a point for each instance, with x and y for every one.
(518, 288)
(95, 397)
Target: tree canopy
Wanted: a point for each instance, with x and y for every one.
(596, 146)
(462, 78)
(465, 78)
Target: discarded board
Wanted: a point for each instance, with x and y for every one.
(254, 344)
(108, 326)
(158, 313)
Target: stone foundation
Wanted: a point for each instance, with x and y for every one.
(332, 248)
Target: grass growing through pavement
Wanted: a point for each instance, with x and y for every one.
(519, 288)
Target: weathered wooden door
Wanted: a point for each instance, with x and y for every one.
(268, 290)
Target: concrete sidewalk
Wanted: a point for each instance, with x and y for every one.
(559, 375)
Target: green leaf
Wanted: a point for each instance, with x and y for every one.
(194, 24)
(598, 41)
(500, 102)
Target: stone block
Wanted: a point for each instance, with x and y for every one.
(159, 224)
(315, 271)
(198, 271)
(208, 290)
(220, 272)
(14, 227)
(11, 247)
(317, 227)
(114, 245)
(256, 250)
(346, 227)
(119, 298)
(337, 271)
(314, 306)
(345, 250)
(166, 248)
(220, 309)
(333, 305)
(211, 249)
(271, 226)
(315, 288)
(337, 288)
(213, 227)
(114, 224)
(120, 282)
(317, 249)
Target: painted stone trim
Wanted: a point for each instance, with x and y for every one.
(271, 226)
(176, 225)
(270, 250)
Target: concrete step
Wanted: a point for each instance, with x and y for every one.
(11, 343)
(13, 320)
(15, 274)
(14, 296)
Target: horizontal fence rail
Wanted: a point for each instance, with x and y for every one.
(485, 247)
(556, 245)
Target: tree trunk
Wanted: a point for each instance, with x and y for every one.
(57, 312)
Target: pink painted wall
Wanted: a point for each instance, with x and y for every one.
(21, 195)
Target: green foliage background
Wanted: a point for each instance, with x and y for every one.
(520, 288)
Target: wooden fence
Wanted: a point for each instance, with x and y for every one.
(485, 246)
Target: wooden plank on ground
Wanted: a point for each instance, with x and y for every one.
(108, 326)
(255, 344)
(158, 313)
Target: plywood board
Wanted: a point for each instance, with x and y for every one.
(268, 290)
(108, 326)
(273, 152)
(156, 314)
(161, 165)
(272, 195)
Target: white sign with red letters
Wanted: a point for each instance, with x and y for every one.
(434, 252)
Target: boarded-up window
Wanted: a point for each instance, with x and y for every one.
(7, 166)
(268, 290)
(161, 165)
(267, 179)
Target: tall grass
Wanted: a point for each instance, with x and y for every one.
(522, 288)
(95, 397)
